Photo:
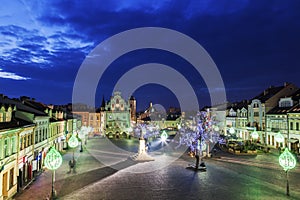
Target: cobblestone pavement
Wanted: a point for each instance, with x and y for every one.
(225, 178)
(178, 182)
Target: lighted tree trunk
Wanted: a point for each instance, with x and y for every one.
(197, 162)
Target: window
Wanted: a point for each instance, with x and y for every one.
(8, 116)
(11, 178)
(256, 114)
(297, 126)
(1, 149)
(291, 125)
(30, 139)
(6, 150)
(14, 144)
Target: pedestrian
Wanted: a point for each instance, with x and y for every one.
(72, 164)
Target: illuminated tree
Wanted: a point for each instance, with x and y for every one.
(198, 135)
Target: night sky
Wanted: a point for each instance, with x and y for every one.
(254, 43)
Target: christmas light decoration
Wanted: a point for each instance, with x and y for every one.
(164, 136)
(53, 159)
(73, 141)
(286, 160)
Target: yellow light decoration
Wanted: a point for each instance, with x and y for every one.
(53, 159)
(286, 160)
(73, 141)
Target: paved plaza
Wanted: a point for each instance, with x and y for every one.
(227, 177)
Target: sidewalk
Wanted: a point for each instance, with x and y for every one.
(268, 160)
(40, 187)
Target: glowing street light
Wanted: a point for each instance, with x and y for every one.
(231, 130)
(73, 142)
(53, 161)
(287, 161)
(279, 137)
(216, 128)
(255, 135)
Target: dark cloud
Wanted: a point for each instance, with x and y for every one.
(254, 43)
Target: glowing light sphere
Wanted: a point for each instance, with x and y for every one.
(279, 137)
(217, 128)
(164, 136)
(231, 130)
(73, 141)
(287, 160)
(179, 126)
(255, 135)
(53, 159)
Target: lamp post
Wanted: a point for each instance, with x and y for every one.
(81, 135)
(287, 161)
(73, 142)
(254, 135)
(53, 161)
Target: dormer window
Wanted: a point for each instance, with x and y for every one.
(285, 102)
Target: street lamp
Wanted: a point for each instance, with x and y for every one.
(81, 135)
(73, 142)
(279, 137)
(53, 161)
(231, 130)
(254, 135)
(287, 161)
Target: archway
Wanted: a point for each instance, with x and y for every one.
(124, 135)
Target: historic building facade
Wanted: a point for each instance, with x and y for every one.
(263, 103)
(27, 130)
(118, 115)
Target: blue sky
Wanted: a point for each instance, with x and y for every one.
(254, 44)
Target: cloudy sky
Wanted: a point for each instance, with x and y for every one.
(254, 43)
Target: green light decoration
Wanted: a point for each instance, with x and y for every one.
(53, 159)
(164, 136)
(255, 135)
(286, 160)
(73, 141)
(279, 137)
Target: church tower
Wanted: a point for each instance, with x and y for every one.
(132, 103)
